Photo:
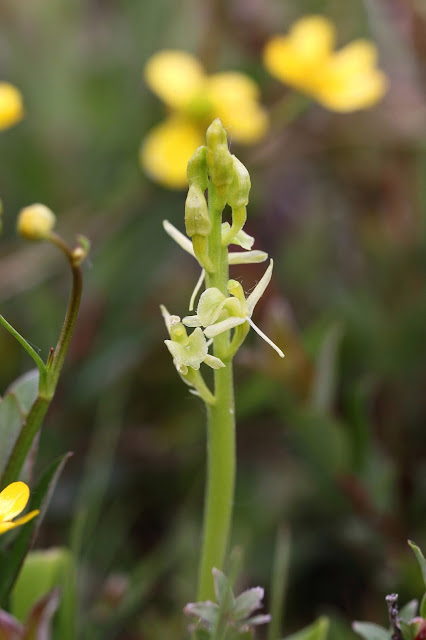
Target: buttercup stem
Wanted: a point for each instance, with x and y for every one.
(49, 380)
(221, 458)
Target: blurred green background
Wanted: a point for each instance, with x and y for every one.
(332, 440)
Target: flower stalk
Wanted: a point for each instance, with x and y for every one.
(223, 317)
(50, 371)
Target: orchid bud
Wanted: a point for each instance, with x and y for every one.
(197, 219)
(239, 189)
(197, 169)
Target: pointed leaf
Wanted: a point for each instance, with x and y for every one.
(409, 610)
(38, 626)
(25, 389)
(223, 591)
(11, 561)
(423, 607)
(247, 602)
(326, 373)
(206, 611)
(371, 631)
(316, 631)
(14, 408)
(420, 559)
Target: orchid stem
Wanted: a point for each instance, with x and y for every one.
(221, 455)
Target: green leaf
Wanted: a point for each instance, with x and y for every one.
(25, 390)
(371, 631)
(14, 408)
(409, 610)
(423, 607)
(420, 559)
(11, 560)
(316, 631)
(44, 570)
(326, 373)
(408, 632)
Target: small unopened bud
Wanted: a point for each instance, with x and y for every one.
(221, 168)
(197, 219)
(215, 135)
(197, 169)
(239, 189)
(36, 222)
(80, 252)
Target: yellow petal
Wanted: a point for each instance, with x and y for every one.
(360, 91)
(165, 152)
(11, 106)
(7, 526)
(13, 500)
(234, 98)
(231, 86)
(297, 58)
(175, 76)
(282, 62)
(350, 80)
(246, 125)
(313, 38)
(359, 55)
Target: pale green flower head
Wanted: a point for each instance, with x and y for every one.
(218, 313)
(187, 351)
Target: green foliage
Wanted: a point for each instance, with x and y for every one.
(12, 558)
(14, 408)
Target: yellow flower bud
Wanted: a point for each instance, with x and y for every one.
(11, 106)
(36, 222)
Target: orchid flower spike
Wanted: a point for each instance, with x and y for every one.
(218, 313)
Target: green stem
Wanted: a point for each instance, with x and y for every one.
(221, 457)
(49, 379)
(288, 109)
(70, 318)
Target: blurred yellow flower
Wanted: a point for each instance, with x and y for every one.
(194, 100)
(343, 80)
(13, 500)
(11, 106)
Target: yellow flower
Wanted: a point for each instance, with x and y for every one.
(13, 500)
(344, 80)
(194, 100)
(11, 106)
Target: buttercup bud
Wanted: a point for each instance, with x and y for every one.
(239, 189)
(197, 169)
(36, 222)
(197, 219)
(11, 107)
